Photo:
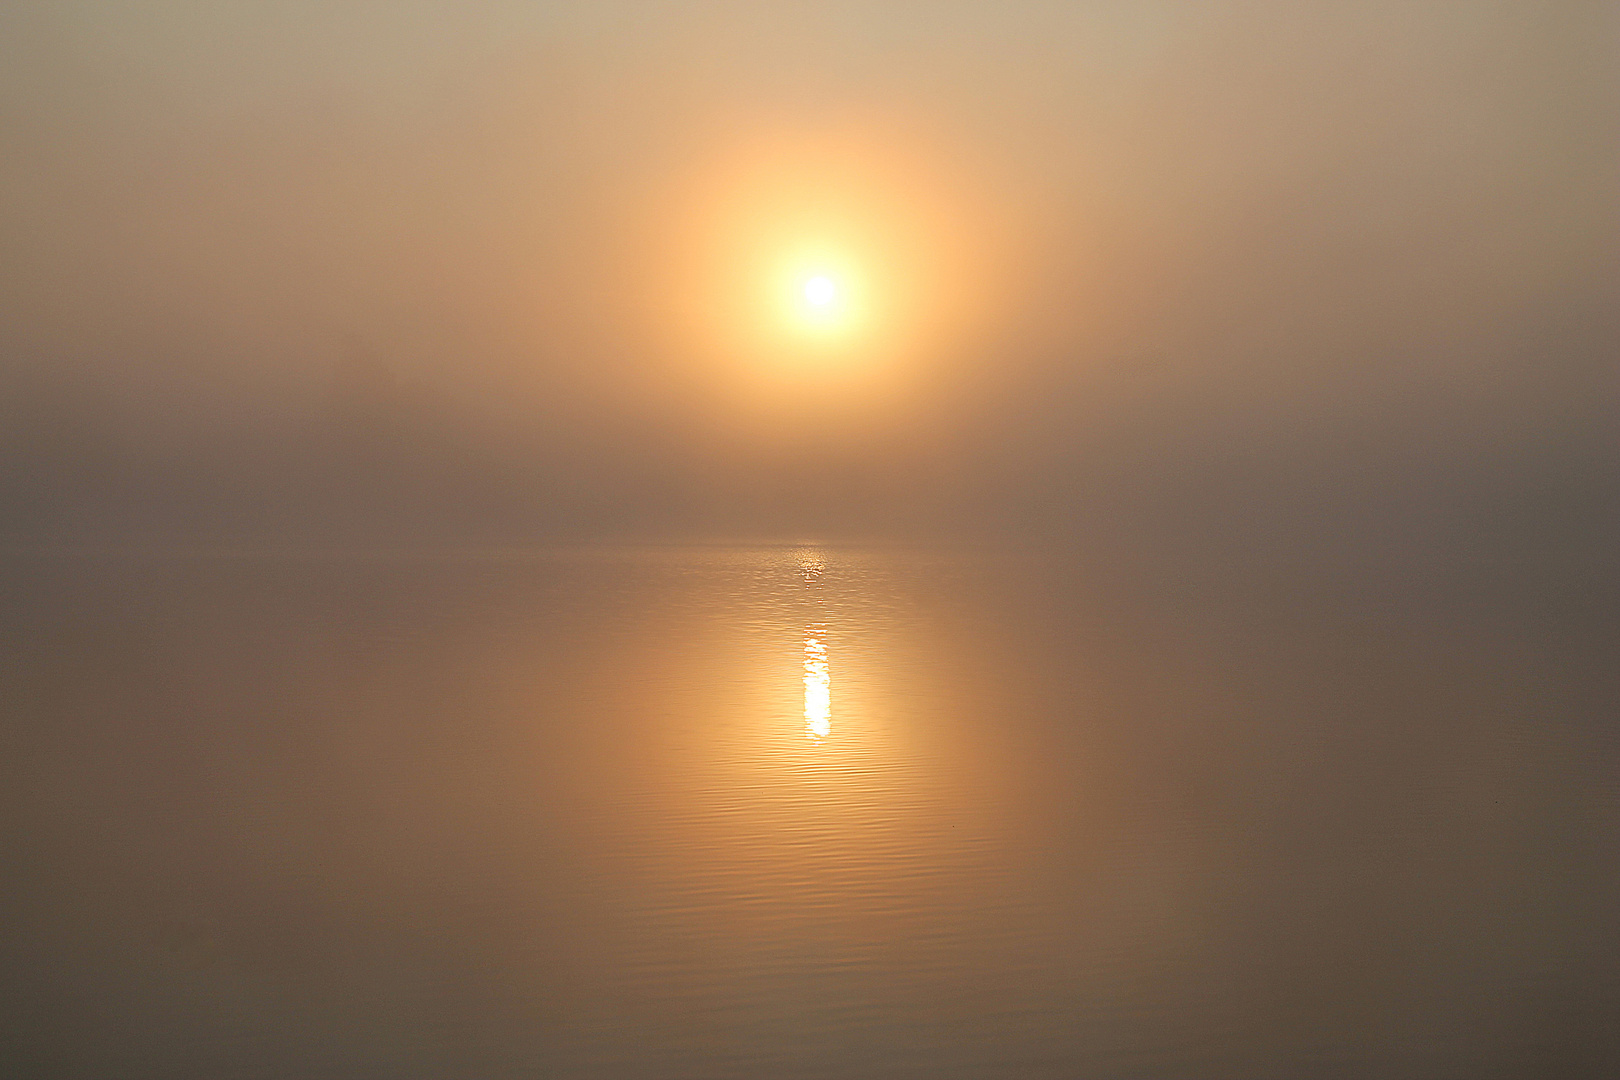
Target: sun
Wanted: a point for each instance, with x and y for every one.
(820, 291)
(821, 299)
(857, 253)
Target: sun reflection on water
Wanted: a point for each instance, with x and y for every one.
(817, 676)
(817, 686)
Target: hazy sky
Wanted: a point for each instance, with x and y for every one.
(505, 269)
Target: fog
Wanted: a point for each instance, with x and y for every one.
(1042, 538)
(1331, 278)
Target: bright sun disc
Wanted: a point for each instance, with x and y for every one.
(820, 291)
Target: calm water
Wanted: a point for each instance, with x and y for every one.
(797, 812)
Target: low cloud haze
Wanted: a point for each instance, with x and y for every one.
(1326, 276)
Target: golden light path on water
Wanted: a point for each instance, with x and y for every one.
(817, 675)
(817, 687)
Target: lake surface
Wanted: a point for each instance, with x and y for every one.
(795, 812)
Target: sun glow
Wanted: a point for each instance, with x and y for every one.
(820, 291)
(822, 304)
(824, 296)
(824, 273)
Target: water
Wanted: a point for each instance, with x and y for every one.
(796, 812)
